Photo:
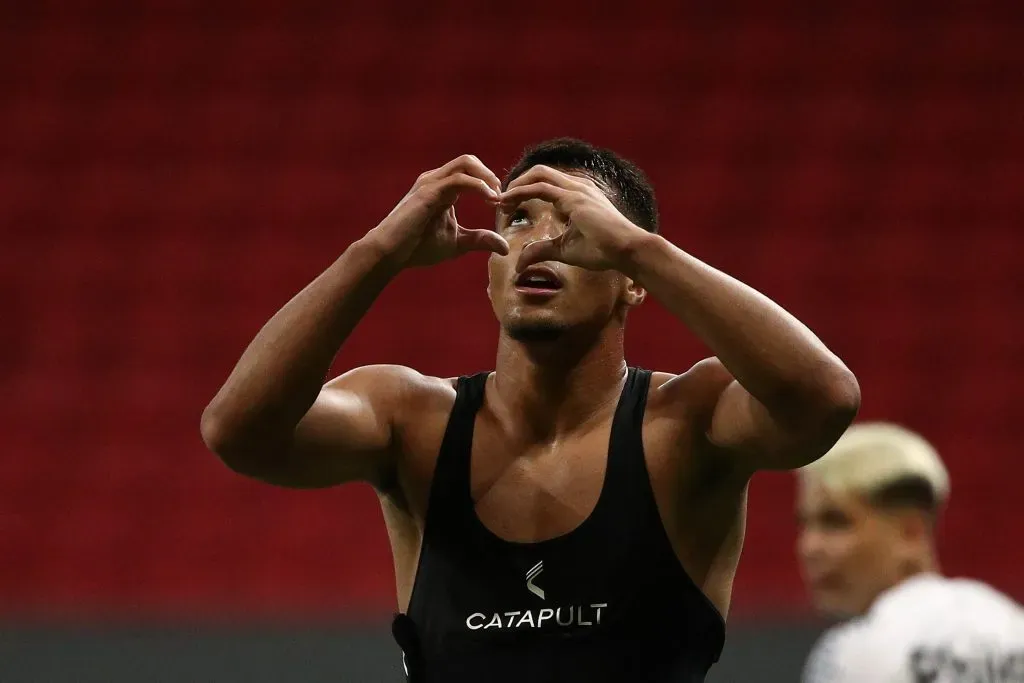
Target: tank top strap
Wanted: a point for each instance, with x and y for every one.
(450, 495)
(627, 485)
(626, 465)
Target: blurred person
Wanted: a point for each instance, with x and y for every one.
(565, 517)
(868, 511)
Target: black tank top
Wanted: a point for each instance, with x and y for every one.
(606, 602)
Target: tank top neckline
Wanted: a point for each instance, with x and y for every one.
(613, 472)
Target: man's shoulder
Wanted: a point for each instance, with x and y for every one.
(933, 602)
(390, 377)
(708, 370)
(835, 650)
(398, 389)
(680, 408)
(695, 390)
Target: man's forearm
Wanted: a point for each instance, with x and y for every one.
(772, 354)
(280, 374)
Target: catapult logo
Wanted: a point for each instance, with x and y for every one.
(943, 665)
(564, 617)
(531, 575)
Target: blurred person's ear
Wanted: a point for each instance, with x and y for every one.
(913, 533)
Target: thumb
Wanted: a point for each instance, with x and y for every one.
(539, 250)
(480, 240)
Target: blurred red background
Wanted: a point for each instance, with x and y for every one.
(172, 172)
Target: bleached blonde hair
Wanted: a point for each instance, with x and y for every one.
(873, 455)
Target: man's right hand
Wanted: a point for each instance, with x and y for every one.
(274, 419)
(422, 229)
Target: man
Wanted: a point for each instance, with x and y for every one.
(868, 510)
(565, 517)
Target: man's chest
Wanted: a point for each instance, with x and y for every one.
(527, 489)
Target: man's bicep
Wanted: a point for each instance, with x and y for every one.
(754, 438)
(347, 435)
(743, 428)
(735, 425)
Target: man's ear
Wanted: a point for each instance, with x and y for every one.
(914, 526)
(911, 532)
(490, 265)
(634, 294)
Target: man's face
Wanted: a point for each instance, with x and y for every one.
(549, 298)
(849, 551)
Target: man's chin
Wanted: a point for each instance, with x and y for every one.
(831, 604)
(536, 332)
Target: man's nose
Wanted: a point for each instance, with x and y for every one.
(547, 226)
(809, 545)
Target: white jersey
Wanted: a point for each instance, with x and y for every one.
(928, 629)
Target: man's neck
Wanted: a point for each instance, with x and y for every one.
(925, 565)
(928, 566)
(552, 388)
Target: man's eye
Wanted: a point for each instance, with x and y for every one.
(519, 218)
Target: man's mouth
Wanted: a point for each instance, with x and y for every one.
(824, 580)
(538, 280)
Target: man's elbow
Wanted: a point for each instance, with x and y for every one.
(829, 394)
(229, 444)
(817, 421)
(215, 430)
(837, 402)
(842, 395)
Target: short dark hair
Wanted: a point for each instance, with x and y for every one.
(912, 492)
(631, 192)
